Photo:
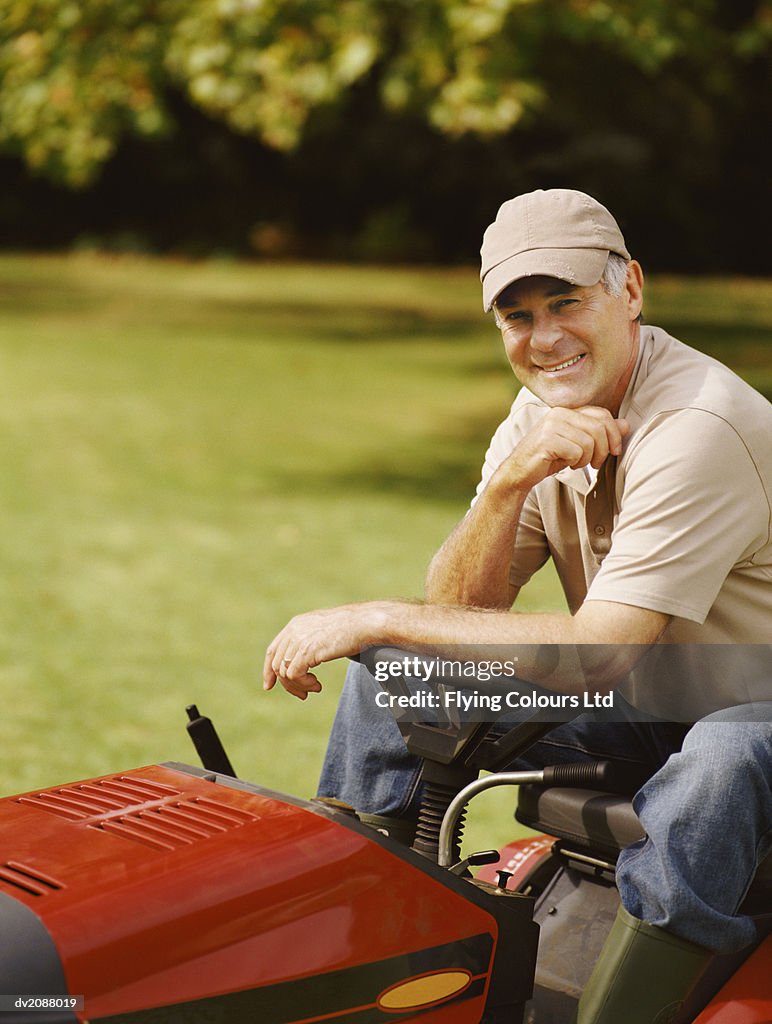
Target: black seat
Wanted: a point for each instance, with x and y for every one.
(603, 824)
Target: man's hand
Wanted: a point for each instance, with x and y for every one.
(316, 637)
(565, 437)
(472, 566)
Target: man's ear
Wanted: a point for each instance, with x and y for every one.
(634, 289)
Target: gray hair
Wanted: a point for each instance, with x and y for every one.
(614, 275)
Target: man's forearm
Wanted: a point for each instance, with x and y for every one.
(472, 567)
(541, 646)
(596, 648)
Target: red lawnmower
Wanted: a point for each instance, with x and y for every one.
(171, 894)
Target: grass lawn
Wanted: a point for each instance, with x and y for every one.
(193, 453)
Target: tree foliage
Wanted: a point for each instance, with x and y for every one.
(77, 76)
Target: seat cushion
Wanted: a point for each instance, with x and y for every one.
(597, 822)
(604, 824)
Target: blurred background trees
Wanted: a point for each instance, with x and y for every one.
(381, 129)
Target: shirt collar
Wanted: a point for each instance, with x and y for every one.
(580, 480)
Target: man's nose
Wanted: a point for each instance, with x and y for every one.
(545, 334)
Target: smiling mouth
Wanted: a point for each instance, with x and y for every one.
(562, 366)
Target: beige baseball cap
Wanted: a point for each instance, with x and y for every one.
(556, 232)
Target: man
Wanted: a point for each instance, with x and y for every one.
(644, 470)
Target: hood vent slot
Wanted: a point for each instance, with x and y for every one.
(19, 876)
(101, 797)
(146, 812)
(176, 824)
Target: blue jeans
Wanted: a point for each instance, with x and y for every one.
(706, 809)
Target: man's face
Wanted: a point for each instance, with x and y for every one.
(571, 346)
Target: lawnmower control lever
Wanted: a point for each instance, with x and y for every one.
(476, 860)
(207, 743)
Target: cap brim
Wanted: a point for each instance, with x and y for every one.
(583, 267)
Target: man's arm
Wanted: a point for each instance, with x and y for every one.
(472, 567)
(615, 635)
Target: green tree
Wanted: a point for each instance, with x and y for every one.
(75, 77)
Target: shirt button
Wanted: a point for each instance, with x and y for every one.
(599, 531)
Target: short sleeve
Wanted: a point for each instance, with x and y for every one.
(691, 508)
(531, 547)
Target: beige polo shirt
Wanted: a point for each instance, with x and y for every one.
(681, 521)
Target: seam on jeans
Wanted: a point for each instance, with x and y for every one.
(630, 857)
(410, 793)
(757, 859)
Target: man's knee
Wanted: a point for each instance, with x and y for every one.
(734, 744)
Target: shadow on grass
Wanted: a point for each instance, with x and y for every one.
(417, 472)
(20, 296)
(442, 481)
(355, 324)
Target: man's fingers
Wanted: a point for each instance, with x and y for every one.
(292, 661)
(275, 654)
(301, 687)
(288, 664)
(279, 664)
(577, 447)
(291, 672)
(312, 639)
(269, 676)
(598, 434)
(568, 450)
(276, 660)
(616, 430)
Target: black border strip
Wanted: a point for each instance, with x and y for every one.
(348, 994)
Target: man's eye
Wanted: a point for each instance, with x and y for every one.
(516, 314)
(562, 303)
